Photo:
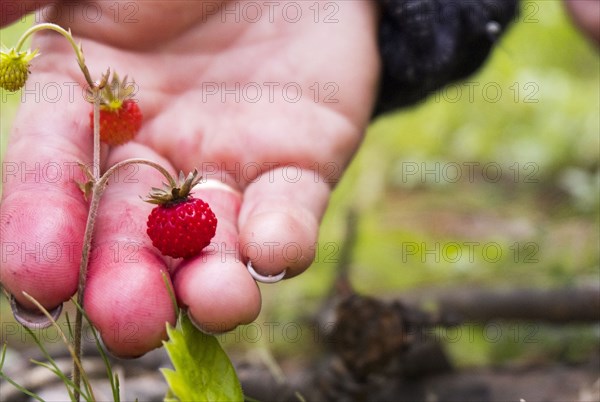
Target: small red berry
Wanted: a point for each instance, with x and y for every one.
(180, 226)
(120, 125)
(120, 116)
(182, 229)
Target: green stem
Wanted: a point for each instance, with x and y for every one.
(137, 161)
(87, 241)
(96, 160)
(68, 36)
(76, 358)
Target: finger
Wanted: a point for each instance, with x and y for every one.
(279, 221)
(215, 286)
(12, 11)
(126, 296)
(43, 211)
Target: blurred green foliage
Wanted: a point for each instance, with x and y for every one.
(531, 116)
(540, 128)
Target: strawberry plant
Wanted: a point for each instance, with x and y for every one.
(180, 226)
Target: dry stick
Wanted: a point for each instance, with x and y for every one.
(572, 304)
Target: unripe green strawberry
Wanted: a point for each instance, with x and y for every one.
(14, 68)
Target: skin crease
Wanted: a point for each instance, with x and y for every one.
(173, 52)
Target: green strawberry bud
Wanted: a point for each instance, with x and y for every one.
(14, 68)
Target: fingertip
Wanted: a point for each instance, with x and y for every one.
(279, 240)
(279, 222)
(129, 302)
(218, 296)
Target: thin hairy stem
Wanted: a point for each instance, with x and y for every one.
(68, 36)
(87, 241)
(137, 161)
(96, 165)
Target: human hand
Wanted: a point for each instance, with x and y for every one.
(281, 155)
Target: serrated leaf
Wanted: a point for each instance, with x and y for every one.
(203, 372)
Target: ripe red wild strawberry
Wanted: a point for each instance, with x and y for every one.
(120, 125)
(180, 226)
(120, 116)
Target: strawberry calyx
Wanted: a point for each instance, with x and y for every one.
(174, 192)
(114, 93)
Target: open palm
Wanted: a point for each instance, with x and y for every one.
(274, 106)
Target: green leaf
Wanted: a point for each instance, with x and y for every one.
(203, 371)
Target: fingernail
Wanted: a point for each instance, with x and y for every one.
(32, 319)
(262, 278)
